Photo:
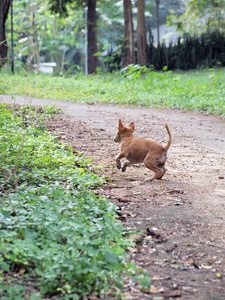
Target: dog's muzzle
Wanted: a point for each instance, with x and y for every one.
(117, 138)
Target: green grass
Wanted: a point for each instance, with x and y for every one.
(196, 90)
(58, 238)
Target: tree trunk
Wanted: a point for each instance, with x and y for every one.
(129, 33)
(4, 9)
(157, 21)
(141, 34)
(92, 36)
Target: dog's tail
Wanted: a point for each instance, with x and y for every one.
(166, 148)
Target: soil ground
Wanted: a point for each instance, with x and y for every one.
(182, 216)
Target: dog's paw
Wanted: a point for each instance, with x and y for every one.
(149, 179)
(123, 168)
(118, 165)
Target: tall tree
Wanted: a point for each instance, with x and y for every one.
(92, 36)
(59, 6)
(4, 9)
(141, 34)
(129, 33)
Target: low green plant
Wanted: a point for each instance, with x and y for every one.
(57, 235)
(196, 90)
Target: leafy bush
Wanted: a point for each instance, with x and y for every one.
(55, 232)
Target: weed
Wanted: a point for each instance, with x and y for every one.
(194, 90)
(56, 234)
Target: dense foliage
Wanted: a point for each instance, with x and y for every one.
(202, 33)
(41, 35)
(200, 51)
(57, 236)
(199, 16)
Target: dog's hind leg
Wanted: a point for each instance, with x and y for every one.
(150, 163)
(160, 163)
(163, 170)
(158, 174)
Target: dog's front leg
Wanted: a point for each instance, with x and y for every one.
(125, 165)
(118, 157)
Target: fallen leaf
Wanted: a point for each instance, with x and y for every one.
(153, 290)
(133, 250)
(194, 263)
(22, 270)
(148, 238)
(173, 294)
(156, 277)
(136, 237)
(206, 267)
(152, 232)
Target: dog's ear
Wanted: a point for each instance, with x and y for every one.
(120, 125)
(131, 126)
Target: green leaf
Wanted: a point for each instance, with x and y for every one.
(4, 266)
(111, 258)
(5, 214)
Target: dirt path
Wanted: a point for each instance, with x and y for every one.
(183, 215)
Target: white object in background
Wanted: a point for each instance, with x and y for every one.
(46, 67)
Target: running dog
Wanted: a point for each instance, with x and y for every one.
(138, 150)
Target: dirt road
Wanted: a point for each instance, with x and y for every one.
(182, 216)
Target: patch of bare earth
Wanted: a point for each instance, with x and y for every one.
(182, 216)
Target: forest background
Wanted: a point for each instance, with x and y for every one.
(113, 34)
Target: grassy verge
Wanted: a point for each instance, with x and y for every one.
(58, 239)
(197, 90)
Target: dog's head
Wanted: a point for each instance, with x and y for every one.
(123, 132)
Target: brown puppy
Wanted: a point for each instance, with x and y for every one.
(136, 151)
